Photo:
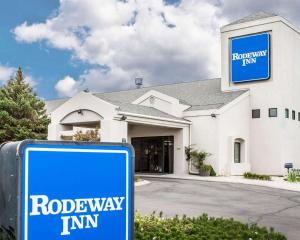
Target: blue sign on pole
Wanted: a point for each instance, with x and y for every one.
(77, 191)
(250, 58)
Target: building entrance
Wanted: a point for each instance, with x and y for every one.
(154, 154)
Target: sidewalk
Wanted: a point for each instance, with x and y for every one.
(277, 182)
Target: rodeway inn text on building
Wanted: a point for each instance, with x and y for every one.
(249, 120)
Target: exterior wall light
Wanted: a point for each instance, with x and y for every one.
(80, 112)
(213, 115)
(123, 118)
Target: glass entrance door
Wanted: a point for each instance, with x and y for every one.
(154, 154)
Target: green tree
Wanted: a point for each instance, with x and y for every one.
(22, 113)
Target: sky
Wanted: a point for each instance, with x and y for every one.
(66, 46)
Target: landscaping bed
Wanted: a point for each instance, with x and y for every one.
(200, 228)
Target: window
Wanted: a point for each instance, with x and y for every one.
(293, 115)
(237, 152)
(272, 112)
(256, 113)
(298, 116)
(287, 113)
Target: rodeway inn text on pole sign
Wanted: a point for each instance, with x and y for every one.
(66, 190)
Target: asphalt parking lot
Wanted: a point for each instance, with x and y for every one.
(250, 204)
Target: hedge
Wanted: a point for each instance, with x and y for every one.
(250, 175)
(200, 228)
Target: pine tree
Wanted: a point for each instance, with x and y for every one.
(22, 113)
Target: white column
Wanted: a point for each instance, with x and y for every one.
(54, 130)
(181, 140)
(114, 131)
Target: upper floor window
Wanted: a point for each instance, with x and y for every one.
(298, 116)
(287, 113)
(272, 112)
(293, 115)
(256, 113)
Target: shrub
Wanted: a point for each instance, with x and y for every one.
(297, 171)
(250, 175)
(88, 136)
(205, 168)
(212, 171)
(198, 158)
(188, 151)
(200, 228)
(292, 176)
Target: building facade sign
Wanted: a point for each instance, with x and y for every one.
(250, 58)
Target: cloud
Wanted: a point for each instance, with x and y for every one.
(122, 40)
(67, 86)
(6, 73)
(31, 81)
(235, 9)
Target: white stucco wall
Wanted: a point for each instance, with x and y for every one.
(113, 131)
(274, 141)
(204, 137)
(234, 123)
(81, 101)
(217, 135)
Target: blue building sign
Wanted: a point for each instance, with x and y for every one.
(250, 58)
(77, 191)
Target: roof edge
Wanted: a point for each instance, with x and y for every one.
(257, 22)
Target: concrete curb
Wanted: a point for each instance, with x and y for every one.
(141, 183)
(276, 183)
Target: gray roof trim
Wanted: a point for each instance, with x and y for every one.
(253, 17)
(178, 120)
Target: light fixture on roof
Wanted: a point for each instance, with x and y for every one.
(138, 82)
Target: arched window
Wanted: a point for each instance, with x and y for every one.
(239, 150)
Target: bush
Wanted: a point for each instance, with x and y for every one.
(250, 175)
(88, 136)
(212, 171)
(188, 151)
(200, 228)
(198, 158)
(297, 171)
(208, 168)
(292, 176)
